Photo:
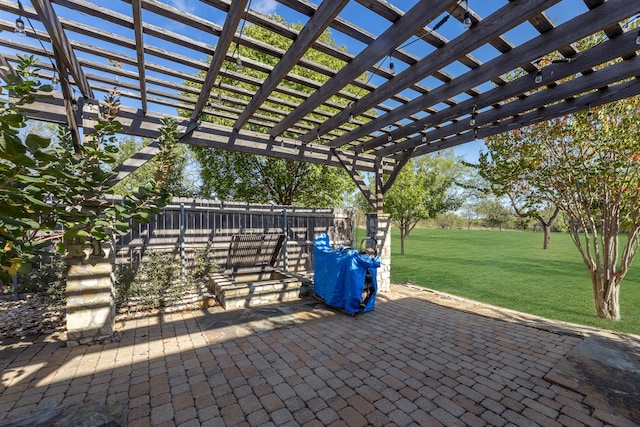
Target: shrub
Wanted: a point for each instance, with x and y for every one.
(47, 280)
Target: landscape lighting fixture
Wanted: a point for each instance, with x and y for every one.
(424, 134)
(392, 66)
(466, 22)
(239, 64)
(472, 122)
(538, 78)
(637, 37)
(389, 138)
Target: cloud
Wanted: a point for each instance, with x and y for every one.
(184, 5)
(266, 7)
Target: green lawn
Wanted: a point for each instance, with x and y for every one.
(510, 269)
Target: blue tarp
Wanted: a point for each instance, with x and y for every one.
(340, 274)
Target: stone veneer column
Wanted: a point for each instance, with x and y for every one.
(90, 294)
(378, 227)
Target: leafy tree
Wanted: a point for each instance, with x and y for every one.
(421, 191)
(178, 184)
(501, 169)
(494, 214)
(48, 191)
(259, 179)
(587, 164)
(237, 176)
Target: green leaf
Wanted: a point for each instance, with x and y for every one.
(36, 142)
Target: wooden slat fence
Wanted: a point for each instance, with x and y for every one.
(187, 225)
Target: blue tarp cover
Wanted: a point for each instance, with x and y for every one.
(339, 276)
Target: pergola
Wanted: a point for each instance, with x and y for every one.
(416, 91)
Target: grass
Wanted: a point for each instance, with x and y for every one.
(510, 269)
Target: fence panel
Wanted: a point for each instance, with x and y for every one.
(187, 225)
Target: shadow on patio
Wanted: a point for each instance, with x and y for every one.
(421, 358)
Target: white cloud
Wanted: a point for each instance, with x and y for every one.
(264, 6)
(184, 5)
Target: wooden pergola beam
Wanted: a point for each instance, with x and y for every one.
(61, 44)
(327, 11)
(547, 42)
(422, 13)
(604, 52)
(234, 15)
(509, 16)
(136, 7)
(593, 99)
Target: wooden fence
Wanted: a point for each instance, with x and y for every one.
(187, 225)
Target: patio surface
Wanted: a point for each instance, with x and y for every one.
(421, 358)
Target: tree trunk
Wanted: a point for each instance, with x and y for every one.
(401, 242)
(547, 235)
(606, 295)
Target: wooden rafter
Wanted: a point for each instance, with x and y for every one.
(311, 31)
(136, 7)
(401, 30)
(503, 20)
(355, 176)
(517, 88)
(231, 22)
(138, 159)
(548, 42)
(61, 44)
(401, 162)
(593, 99)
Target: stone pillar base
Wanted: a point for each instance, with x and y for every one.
(379, 227)
(90, 294)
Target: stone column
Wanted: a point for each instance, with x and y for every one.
(90, 293)
(379, 227)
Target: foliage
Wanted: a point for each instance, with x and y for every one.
(257, 179)
(20, 194)
(178, 185)
(156, 278)
(52, 192)
(203, 263)
(228, 175)
(47, 279)
(422, 191)
(494, 214)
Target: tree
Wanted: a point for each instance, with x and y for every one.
(258, 179)
(494, 214)
(588, 165)
(177, 185)
(501, 169)
(237, 176)
(51, 191)
(421, 191)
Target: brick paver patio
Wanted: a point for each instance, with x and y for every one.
(418, 359)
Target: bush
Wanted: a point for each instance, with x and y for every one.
(48, 280)
(203, 264)
(151, 282)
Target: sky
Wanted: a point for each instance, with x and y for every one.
(353, 12)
